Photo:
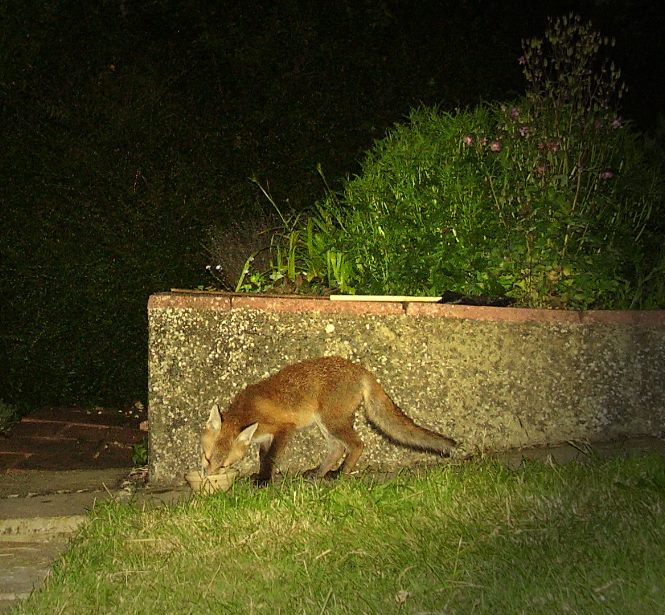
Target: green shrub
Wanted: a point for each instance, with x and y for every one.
(550, 200)
(9, 415)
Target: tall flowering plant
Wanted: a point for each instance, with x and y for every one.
(565, 186)
(549, 200)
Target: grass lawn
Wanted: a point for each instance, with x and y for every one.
(476, 538)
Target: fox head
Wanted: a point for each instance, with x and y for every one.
(223, 443)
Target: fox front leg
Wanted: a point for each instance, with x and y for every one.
(269, 450)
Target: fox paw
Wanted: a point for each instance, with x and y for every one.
(313, 474)
(259, 481)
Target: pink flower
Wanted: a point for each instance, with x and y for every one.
(606, 174)
(482, 140)
(515, 112)
(521, 60)
(540, 170)
(495, 146)
(468, 139)
(524, 131)
(617, 123)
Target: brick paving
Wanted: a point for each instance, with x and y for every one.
(58, 462)
(72, 439)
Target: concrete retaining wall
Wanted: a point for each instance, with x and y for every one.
(492, 378)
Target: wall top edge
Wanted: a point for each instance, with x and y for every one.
(225, 301)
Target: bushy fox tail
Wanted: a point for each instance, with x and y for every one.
(385, 415)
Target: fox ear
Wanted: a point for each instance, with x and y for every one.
(246, 435)
(215, 418)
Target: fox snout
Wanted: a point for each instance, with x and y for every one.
(223, 443)
(205, 465)
(214, 457)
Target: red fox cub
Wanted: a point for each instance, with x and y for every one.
(324, 392)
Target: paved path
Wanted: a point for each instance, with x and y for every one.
(72, 439)
(54, 465)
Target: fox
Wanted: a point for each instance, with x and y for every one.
(325, 392)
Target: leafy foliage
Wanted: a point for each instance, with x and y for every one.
(140, 453)
(552, 200)
(8, 416)
(129, 130)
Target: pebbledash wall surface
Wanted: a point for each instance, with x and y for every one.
(492, 378)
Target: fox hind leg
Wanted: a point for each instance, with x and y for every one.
(344, 445)
(353, 445)
(336, 451)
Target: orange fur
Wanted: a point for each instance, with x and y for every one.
(325, 392)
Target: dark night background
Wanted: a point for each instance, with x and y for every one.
(130, 128)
